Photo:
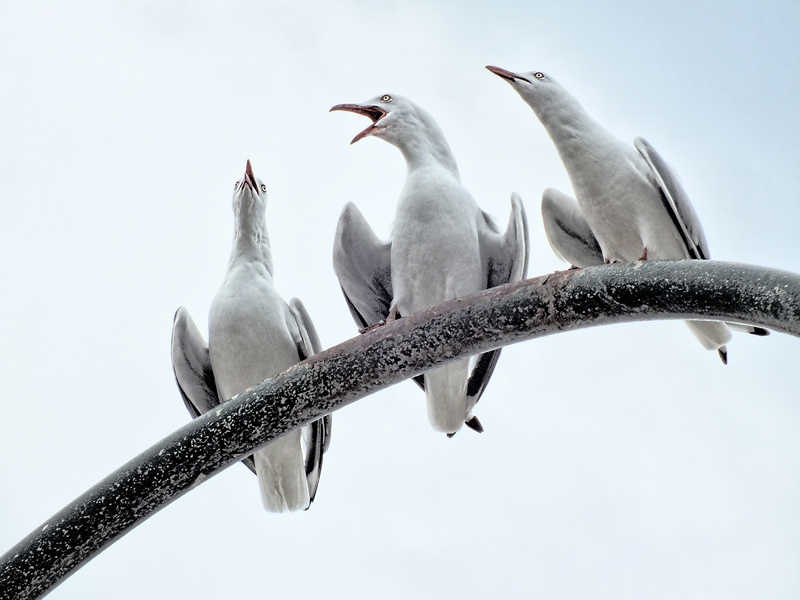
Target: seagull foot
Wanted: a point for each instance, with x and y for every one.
(392, 314)
(723, 354)
(449, 435)
(380, 323)
(644, 254)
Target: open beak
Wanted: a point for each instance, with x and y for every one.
(376, 113)
(249, 178)
(507, 75)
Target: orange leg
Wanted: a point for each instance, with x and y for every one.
(392, 316)
(392, 313)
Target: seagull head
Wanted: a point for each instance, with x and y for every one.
(249, 210)
(404, 124)
(535, 87)
(394, 118)
(249, 187)
(249, 197)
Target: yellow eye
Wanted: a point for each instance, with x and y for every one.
(386, 98)
(235, 186)
(539, 75)
(263, 188)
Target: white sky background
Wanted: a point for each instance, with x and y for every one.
(620, 462)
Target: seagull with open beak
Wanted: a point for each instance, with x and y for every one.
(442, 246)
(253, 335)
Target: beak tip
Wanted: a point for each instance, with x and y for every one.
(495, 70)
(506, 74)
(249, 177)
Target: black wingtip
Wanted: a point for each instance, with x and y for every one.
(723, 354)
(760, 331)
(250, 463)
(474, 424)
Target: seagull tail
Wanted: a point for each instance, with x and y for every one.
(713, 335)
(446, 395)
(282, 475)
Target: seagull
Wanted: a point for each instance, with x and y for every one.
(442, 246)
(253, 335)
(630, 204)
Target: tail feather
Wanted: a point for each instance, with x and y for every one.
(446, 395)
(712, 334)
(282, 474)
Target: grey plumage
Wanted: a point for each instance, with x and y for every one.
(567, 231)
(253, 335)
(442, 246)
(628, 198)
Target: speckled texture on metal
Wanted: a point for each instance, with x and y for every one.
(561, 301)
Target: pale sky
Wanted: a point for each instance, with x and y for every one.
(619, 462)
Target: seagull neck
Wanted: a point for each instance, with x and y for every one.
(567, 123)
(424, 151)
(250, 237)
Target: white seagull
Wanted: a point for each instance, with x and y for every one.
(442, 246)
(253, 335)
(630, 205)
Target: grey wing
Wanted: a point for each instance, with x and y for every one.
(362, 263)
(318, 434)
(676, 201)
(751, 329)
(681, 211)
(308, 344)
(567, 231)
(191, 365)
(192, 369)
(504, 255)
(505, 260)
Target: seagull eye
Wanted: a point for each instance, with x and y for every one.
(539, 75)
(263, 188)
(386, 98)
(236, 186)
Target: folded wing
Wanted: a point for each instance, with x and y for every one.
(362, 263)
(567, 231)
(676, 201)
(318, 434)
(505, 259)
(682, 213)
(192, 368)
